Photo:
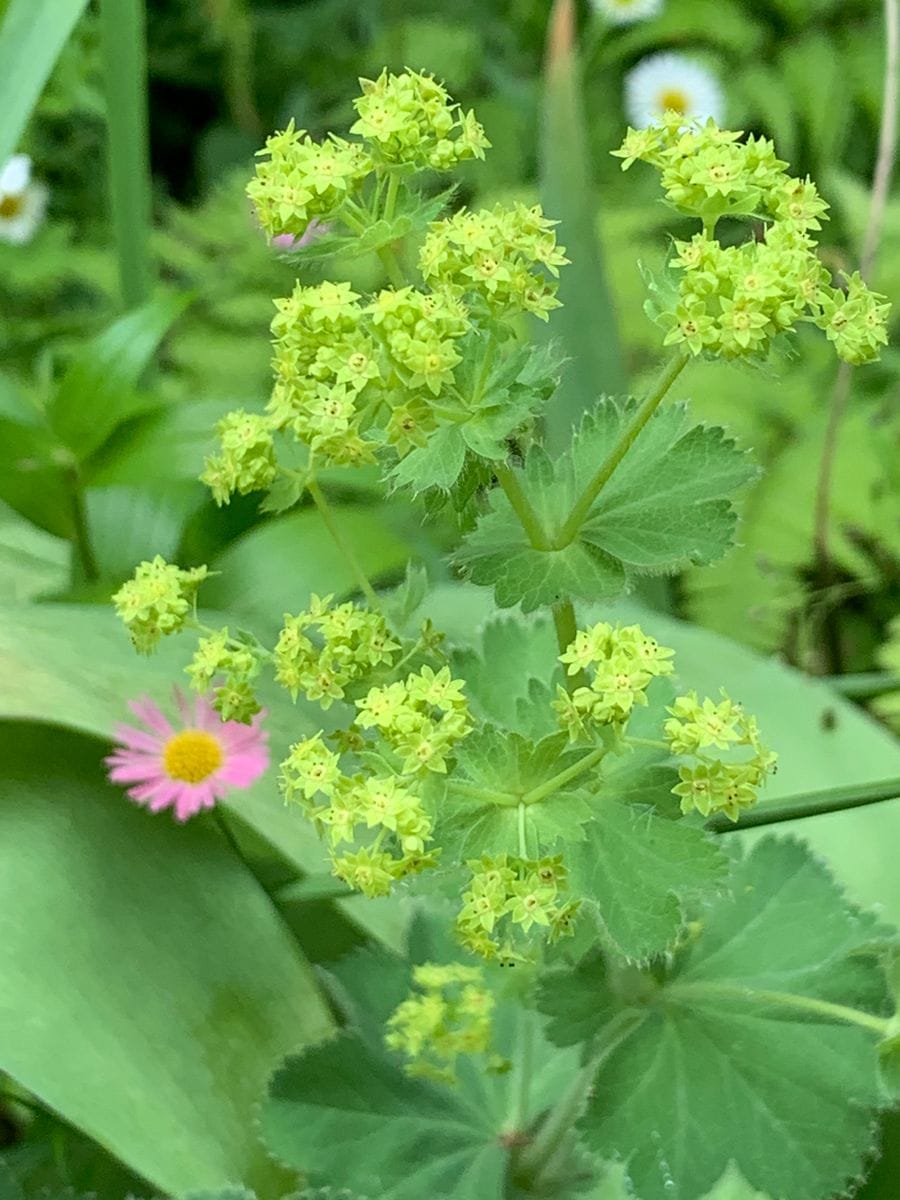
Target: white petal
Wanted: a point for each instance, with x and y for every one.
(15, 174)
(647, 84)
(625, 12)
(21, 228)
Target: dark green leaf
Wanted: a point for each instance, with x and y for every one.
(738, 1047)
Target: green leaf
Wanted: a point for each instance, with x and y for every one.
(568, 194)
(345, 1111)
(129, 524)
(308, 561)
(506, 675)
(733, 1186)
(436, 465)
(640, 870)
(32, 34)
(181, 984)
(97, 392)
(499, 763)
(32, 477)
(667, 505)
(739, 1047)
(32, 562)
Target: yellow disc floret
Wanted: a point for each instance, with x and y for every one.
(192, 756)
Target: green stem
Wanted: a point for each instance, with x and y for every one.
(125, 74)
(522, 506)
(627, 439)
(654, 743)
(536, 795)
(865, 684)
(810, 804)
(346, 550)
(566, 628)
(807, 1004)
(559, 1121)
(391, 264)
(390, 202)
(521, 1093)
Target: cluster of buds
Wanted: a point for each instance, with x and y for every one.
(410, 121)
(376, 821)
(621, 663)
(420, 718)
(711, 784)
(509, 897)
(327, 376)
(246, 458)
(301, 180)
(323, 650)
(732, 301)
(492, 256)
(451, 1015)
(376, 826)
(157, 601)
(227, 665)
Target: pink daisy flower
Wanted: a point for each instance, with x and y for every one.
(191, 767)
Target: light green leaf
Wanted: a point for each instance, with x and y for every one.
(640, 869)
(499, 763)
(504, 673)
(32, 34)
(181, 984)
(733, 1186)
(436, 465)
(345, 1111)
(129, 524)
(97, 392)
(668, 504)
(32, 562)
(741, 1046)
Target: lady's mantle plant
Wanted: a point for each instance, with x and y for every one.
(555, 781)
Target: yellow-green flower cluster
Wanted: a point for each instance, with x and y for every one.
(501, 256)
(228, 666)
(451, 1015)
(418, 331)
(376, 826)
(712, 784)
(302, 180)
(733, 300)
(509, 897)
(621, 663)
(323, 650)
(157, 601)
(327, 377)
(421, 718)
(246, 458)
(409, 120)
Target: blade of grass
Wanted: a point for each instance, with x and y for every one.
(586, 323)
(32, 34)
(125, 76)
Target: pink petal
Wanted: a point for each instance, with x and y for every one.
(137, 739)
(240, 770)
(151, 714)
(136, 769)
(192, 799)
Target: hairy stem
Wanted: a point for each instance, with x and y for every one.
(560, 1119)
(884, 166)
(810, 804)
(346, 550)
(629, 435)
(807, 1004)
(536, 795)
(522, 506)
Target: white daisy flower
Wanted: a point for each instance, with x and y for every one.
(670, 81)
(624, 12)
(22, 202)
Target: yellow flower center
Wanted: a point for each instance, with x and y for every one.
(10, 206)
(192, 755)
(675, 99)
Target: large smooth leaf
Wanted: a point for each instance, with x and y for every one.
(275, 568)
(147, 983)
(32, 562)
(32, 34)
